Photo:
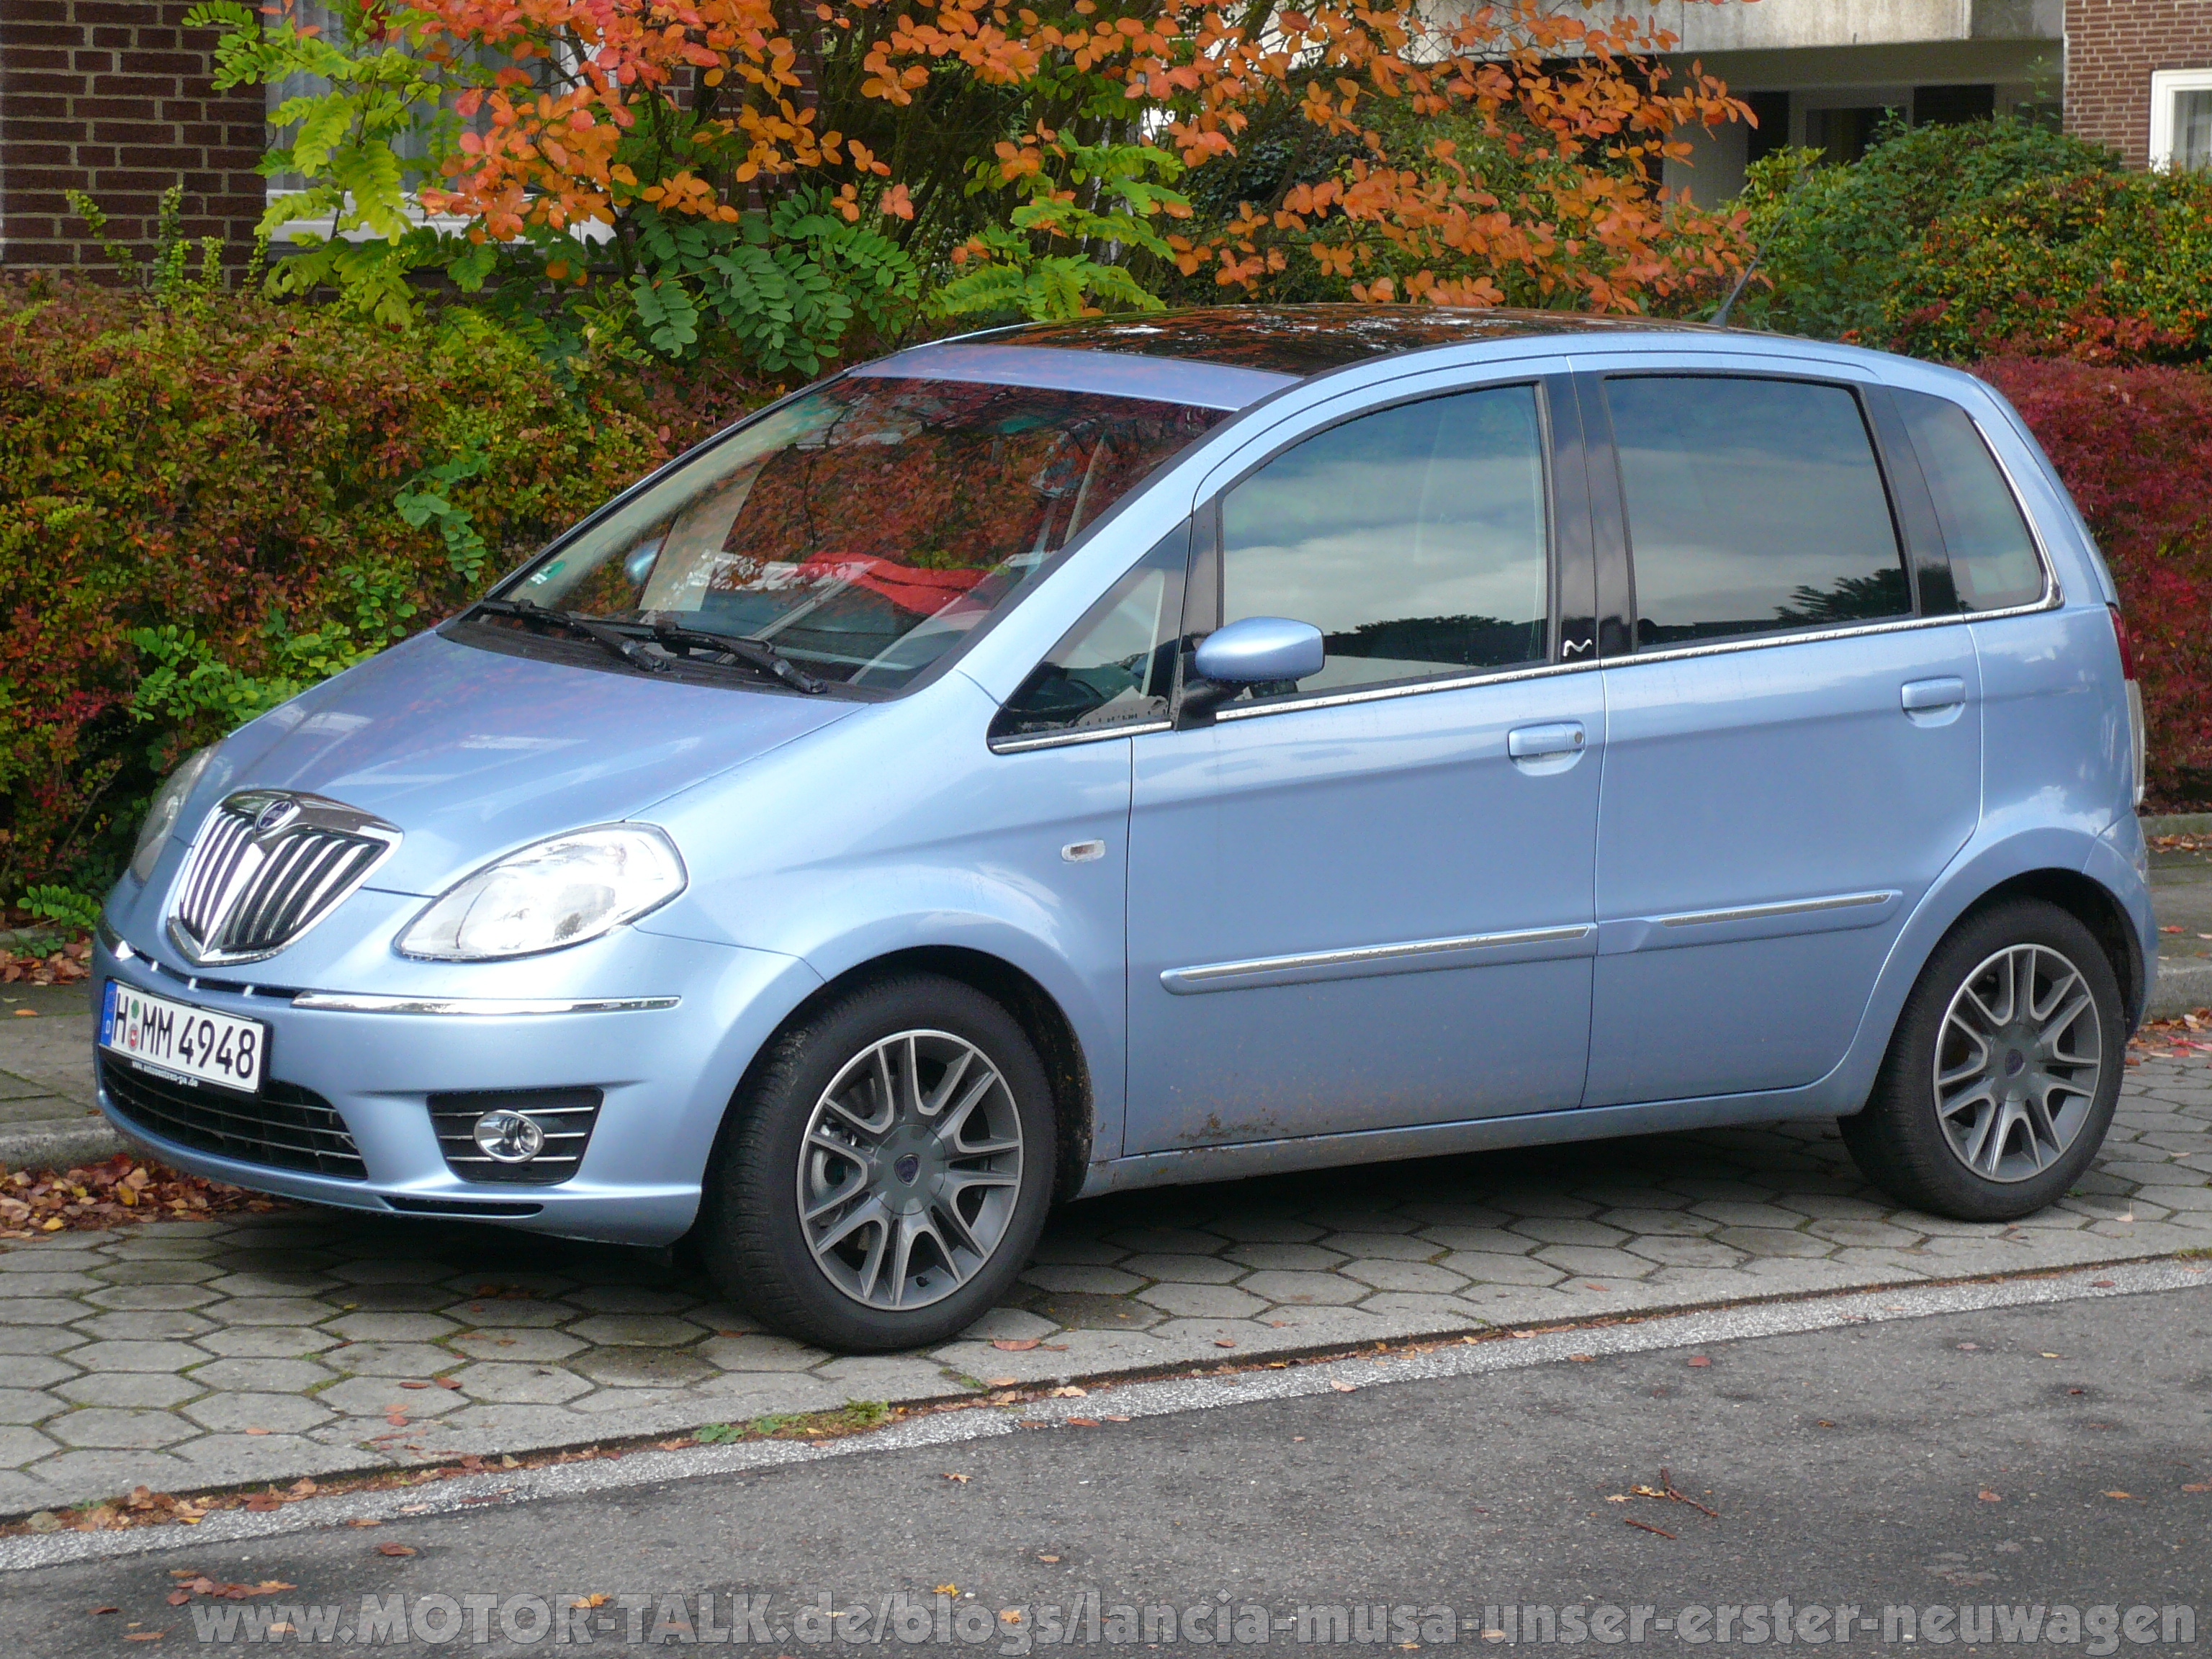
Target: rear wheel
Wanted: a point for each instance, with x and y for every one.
(2003, 1072)
(885, 1174)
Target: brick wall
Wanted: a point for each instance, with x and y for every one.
(2111, 48)
(112, 97)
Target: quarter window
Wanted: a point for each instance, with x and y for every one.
(1754, 505)
(1116, 667)
(1994, 563)
(1414, 538)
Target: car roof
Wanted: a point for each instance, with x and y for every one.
(1230, 357)
(1301, 341)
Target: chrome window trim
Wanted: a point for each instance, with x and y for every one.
(1212, 975)
(2050, 601)
(1784, 907)
(479, 1007)
(1060, 739)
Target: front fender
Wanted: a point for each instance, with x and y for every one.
(899, 830)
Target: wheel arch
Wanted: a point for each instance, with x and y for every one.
(1034, 1008)
(2096, 907)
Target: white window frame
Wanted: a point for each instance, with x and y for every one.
(2164, 83)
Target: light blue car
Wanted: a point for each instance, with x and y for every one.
(1099, 756)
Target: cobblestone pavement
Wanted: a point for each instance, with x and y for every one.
(193, 1354)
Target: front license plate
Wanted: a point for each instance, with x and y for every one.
(176, 1037)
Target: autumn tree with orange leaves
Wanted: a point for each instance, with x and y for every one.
(804, 165)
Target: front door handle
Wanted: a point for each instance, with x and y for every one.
(1920, 697)
(1535, 742)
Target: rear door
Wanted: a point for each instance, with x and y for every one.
(1794, 740)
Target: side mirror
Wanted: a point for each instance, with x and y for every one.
(1260, 648)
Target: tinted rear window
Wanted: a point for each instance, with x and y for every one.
(1753, 505)
(1994, 563)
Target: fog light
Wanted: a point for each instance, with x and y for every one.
(509, 1137)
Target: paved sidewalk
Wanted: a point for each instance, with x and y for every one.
(193, 1354)
(47, 1119)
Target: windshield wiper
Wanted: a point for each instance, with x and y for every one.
(757, 654)
(607, 636)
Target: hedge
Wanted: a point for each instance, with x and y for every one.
(2135, 448)
(205, 508)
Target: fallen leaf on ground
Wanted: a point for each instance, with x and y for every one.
(1083, 1422)
(1001, 1382)
(365, 1521)
(1069, 1392)
(2120, 1494)
(1016, 1344)
(447, 1382)
(414, 1385)
(1225, 1341)
(1345, 1388)
(961, 1479)
(1988, 1498)
(395, 1549)
(595, 1599)
(1053, 1559)
(2198, 1486)
(145, 1636)
(946, 1589)
(96, 1612)
(1699, 1359)
(1582, 1359)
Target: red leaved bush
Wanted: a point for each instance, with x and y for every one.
(2135, 448)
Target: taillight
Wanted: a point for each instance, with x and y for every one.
(2127, 645)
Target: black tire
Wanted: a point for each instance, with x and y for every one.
(750, 1233)
(1901, 1140)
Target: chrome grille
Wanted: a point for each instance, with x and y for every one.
(267, 866)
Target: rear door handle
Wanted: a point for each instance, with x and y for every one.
(1921, 695)
(1535, 742)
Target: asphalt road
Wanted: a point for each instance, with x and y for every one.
(2024, 1457)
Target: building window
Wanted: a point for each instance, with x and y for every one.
(2181, 119)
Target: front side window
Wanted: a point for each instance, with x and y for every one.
(1414, 538)
(1994, 563)
(868, 527)
(1754, 505)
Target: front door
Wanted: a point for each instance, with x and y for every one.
(1793, 756)
(1365, 901)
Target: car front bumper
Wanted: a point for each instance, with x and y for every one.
(666, 1072)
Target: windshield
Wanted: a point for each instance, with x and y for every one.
(864, 529)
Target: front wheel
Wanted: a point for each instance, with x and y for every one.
(886, 1172)
(2004, 1072)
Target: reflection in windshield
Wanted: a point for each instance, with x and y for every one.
(865, 528)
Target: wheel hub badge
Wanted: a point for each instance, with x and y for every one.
(908, 1168)
(2015, 1063)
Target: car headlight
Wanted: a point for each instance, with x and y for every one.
(558, 892)
(162, 812)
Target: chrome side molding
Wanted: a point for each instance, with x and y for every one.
(1361, 960)
(1785, 908)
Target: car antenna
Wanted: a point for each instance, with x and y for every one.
(1743, 277)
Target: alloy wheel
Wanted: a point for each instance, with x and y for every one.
(2018, 1062)
(909, 1170)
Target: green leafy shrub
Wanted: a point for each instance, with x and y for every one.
(206, 508)
(2105, 267)
(1832, 238)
